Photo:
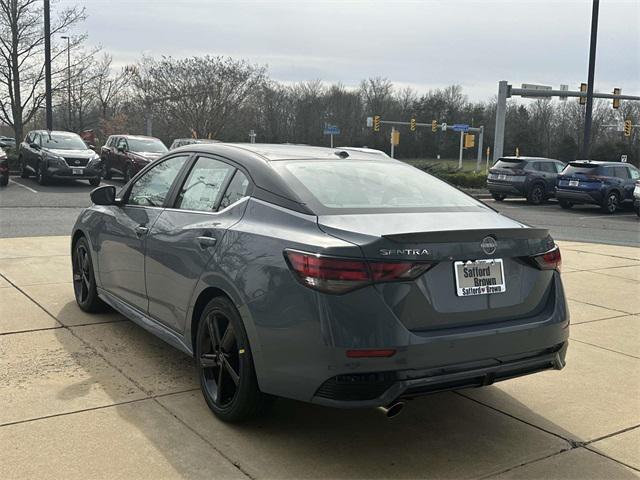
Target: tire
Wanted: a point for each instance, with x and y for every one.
(41, 176)
(4, 181)
(638, 211)
(94, 182)
(565, 204)
(128, 173)
(537, 194)
(84, 281)
(106, 171)
(498, 197)
(227, 361)
(610, 203)
(24, 171)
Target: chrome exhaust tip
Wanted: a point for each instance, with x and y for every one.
(392, 410)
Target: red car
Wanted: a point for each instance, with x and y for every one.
(126, 155)
(4, 169)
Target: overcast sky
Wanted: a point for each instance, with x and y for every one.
(425, 44)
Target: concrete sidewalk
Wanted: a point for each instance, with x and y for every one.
(94, 396)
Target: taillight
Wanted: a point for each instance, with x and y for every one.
(341, 275)
(551, 260)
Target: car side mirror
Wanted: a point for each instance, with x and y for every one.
(105, 195)
(34, 145)
(92, 147)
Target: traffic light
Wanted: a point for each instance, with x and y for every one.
(376, 123)
(469, 140)
(412, 124)
(616, 101)
(434, 126)
(627, 128)
(583, 88)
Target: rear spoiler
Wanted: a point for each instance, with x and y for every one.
(469, 235)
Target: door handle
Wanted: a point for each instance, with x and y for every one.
(141, 230)
(206, 242)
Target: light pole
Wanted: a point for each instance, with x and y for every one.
(68, 79)
(592, 67)
(47, 64)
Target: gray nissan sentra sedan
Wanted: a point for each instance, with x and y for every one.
(327, 276)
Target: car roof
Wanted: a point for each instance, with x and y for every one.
(59, 132)
(595, 163)
(537, 159)
(124, 135)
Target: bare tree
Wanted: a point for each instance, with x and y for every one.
(110, 87)
(22, 58)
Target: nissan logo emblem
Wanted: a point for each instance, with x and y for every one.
(489, 245)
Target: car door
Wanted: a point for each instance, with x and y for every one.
(122, 238)
(25, 150)
(631, 174)
(549, 174)
(120, 155)
(182, 242)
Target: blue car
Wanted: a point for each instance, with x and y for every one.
(330, 276)
(607, 184)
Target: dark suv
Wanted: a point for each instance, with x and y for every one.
(55, 154)
(126, 155)
(608, 184)
(530, 177)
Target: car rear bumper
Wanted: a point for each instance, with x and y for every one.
(88, 173)
(316, 367)
(578, 196)
(506, 188)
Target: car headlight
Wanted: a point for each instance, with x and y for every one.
(55, 160)
(95, 158)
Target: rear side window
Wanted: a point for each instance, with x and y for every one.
(558, 167)
(508, 163)
(635, 174)
(352, 186)
(547, 167)
(622, 172)
(236, 190)
(203, 185)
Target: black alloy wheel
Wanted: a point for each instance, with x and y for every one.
(24, 171)
(105, 172)
(94, 182)
(536, 194)
(41, 175)
(611, 203)
(128, 173)
(498, 197)
(225, 365)
(84, 283)
(565, 204)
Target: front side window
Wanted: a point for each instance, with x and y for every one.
(203, 185)
(152, 188)
(236, 190)
(622, 172)
(370, 186)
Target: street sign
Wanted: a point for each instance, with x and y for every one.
(444, 127)
(331, 130)
(369, 122)
(623, 158)
(460, 127)
(533, 86)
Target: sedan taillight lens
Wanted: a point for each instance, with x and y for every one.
(341, 275)
(551, 260)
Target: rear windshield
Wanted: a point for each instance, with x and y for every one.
(350, 186)
(516, 164)
(586, 170)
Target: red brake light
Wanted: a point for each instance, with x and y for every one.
(551, 260)
(340, 275)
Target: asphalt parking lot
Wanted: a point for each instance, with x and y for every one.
(95, 396)
(28, 209)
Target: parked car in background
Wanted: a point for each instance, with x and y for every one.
(321, 275)
(56, 155)
(608, 184)
(126, 155)
(636, 197)
(531, 177)
(181, 142)
(7, 142)
(4, 168)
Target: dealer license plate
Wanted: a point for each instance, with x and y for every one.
(479, 277)
(77, 171)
